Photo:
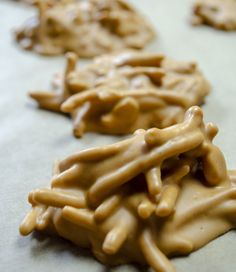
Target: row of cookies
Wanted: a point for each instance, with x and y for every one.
(164, 191)
(91, 28)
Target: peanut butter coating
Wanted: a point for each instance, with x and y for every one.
(219, 14)
(88, 28)
(162, 192)
(151, 89)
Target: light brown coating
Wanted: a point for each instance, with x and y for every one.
(220, 14)
(141, 199)
(87, 27)
(149, 88)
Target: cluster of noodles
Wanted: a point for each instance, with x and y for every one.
(140, 199)
(220, 14)
(153, 90)
(87, 27)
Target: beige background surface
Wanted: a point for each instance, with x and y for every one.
(30, 139)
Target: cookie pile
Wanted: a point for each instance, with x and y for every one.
(141, 199)
(154, 90)
(163, 191)
(89, 28)
(220, 14)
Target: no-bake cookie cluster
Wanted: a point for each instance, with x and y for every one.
(164, 191)
(88, 28)
(141, 199)
(220, 14)
(152, 89)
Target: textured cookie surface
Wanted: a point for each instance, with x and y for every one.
(152, 89)
(220, 14)
(88, 28)
(160, 193)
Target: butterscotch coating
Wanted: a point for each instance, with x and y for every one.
(162, 192)
(86, 27)
(220, 14)
(151, 89)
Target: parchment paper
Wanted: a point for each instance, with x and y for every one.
(31, 139)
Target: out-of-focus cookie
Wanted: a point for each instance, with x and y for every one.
(86, 27)
(220, 14)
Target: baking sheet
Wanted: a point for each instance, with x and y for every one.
(31, 139)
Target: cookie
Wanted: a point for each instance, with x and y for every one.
(88, 28)
(151, 89)
(220, 14)
(159, 193)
